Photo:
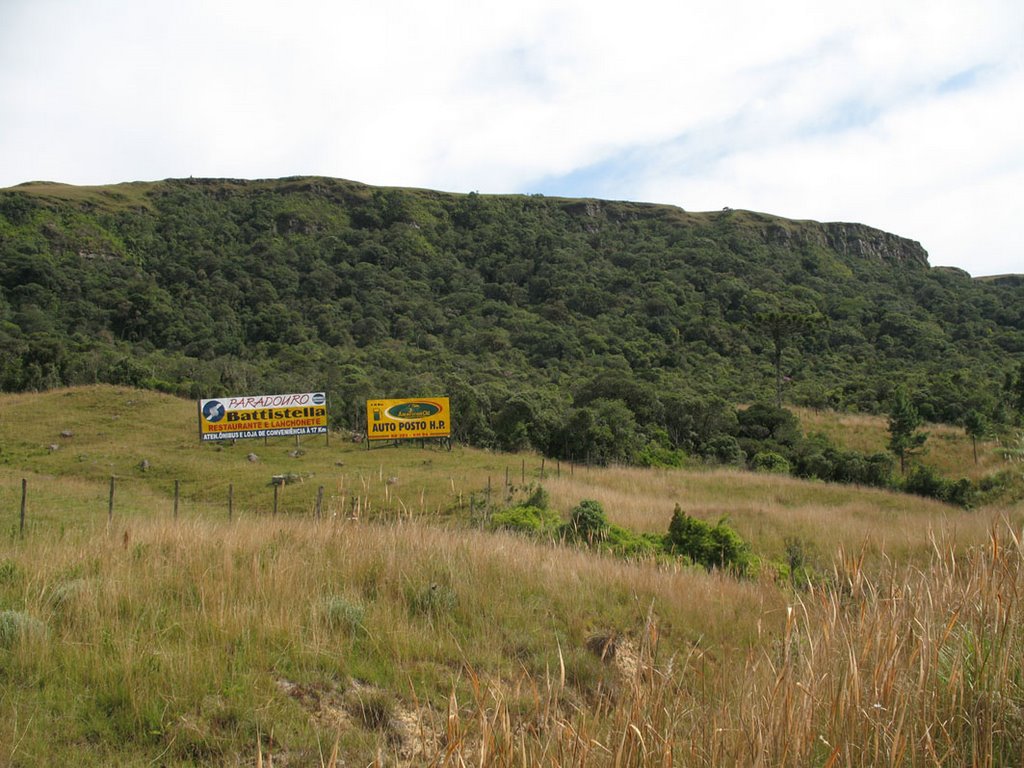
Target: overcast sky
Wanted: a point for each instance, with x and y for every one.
(900, 114)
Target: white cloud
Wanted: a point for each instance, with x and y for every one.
(896, 114)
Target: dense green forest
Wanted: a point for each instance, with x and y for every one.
(610, 331)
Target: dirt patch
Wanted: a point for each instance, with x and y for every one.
(616, 650)
(409, 733)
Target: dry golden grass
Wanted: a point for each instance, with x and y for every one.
(948, 448)
(911, 667)
(185, 634)
(413, 638)
(768, 509)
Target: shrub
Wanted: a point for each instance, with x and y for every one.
(688, 536)
(819, 459)
(532, 520)
(717, 546)
(588, 521)
(925, 481)
(770, 461)
(798, 561)
(763, 421)
(657, 455)
(726, 450)
(538, 498)
(728, 550)
(626, 543)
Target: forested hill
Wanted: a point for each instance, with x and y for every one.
(531, 312)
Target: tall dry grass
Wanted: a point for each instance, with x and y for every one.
(770, 510)
(909, 667)
(187, 639)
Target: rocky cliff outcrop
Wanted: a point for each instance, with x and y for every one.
(865, 242)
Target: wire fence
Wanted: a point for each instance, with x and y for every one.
(353, 501)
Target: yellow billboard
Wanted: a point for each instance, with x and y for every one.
(231, 418)
(408, 418)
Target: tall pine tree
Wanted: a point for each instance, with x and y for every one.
(904, 420)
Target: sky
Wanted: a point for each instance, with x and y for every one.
(899, 114)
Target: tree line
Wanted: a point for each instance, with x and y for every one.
(583, 329)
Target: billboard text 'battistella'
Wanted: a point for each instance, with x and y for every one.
(230, 418)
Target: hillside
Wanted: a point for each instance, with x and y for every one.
(550, 322)
(398, 627)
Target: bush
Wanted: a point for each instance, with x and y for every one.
(588, 521)
(770, 461)
(798, 561)
(925, 481)
(528, 519)
(717, 546)
(762, 421)
(728, 550)
(641, 546)
(726, 450)
(817, 458)
(538, 498)
(657, 454)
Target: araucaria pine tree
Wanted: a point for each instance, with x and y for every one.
(904, 420)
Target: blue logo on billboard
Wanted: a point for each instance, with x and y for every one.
(213, 411)
(319, 398)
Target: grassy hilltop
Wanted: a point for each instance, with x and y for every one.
(399, 628)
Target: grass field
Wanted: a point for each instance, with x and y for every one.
(396, 630)
(947, 448)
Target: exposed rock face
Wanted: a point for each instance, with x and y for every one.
(866, 242)
(853, 240)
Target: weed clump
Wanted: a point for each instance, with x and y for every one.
(9, 572)
(372, 707)
(432, 600)
(16, 626)
(340, 613)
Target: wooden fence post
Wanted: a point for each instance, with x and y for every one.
(176, 494)
(319, 501)
(231, 499)
(110, 503)
(24, 494)
(276, 487)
